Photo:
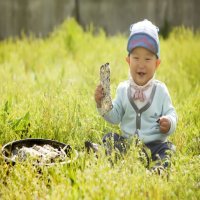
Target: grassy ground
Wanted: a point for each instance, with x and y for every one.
(46, 91)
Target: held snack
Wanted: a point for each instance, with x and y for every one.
(106, 102)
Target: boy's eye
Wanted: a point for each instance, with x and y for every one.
(147, 59)
(135, 58)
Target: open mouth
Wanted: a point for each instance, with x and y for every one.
(141, 74)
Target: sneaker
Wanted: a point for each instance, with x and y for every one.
(91, 146)
(157, 170)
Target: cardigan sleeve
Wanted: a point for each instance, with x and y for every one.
(169, 112)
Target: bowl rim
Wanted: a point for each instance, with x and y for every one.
(10, 147)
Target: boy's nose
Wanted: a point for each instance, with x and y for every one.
(141, 65)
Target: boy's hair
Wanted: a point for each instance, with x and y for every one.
(144, 34)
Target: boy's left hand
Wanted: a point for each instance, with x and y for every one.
(165, 124)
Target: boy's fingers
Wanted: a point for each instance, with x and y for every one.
(99, 88)
(163, 123)
(164, 126)
(99, 93)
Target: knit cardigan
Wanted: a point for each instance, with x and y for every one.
(143, 121)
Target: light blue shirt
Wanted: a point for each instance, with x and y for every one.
(142, 121)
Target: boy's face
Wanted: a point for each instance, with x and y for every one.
(143, 64)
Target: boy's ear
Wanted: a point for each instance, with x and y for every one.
(158, 63)
(128, 59)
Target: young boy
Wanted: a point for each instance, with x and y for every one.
(142, 105)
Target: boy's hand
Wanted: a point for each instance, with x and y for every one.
(165, 124)
(99, 94)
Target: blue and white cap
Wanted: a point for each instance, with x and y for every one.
(144, 34)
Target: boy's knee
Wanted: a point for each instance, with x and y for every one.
(110, 136)
(113, 141)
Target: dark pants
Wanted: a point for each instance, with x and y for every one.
(160, 152)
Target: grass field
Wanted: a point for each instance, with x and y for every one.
(47, 91)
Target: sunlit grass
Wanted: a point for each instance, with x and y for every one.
(48, 84)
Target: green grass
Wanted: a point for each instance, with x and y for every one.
(47, 91)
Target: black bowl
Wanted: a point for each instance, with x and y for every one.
(12, 148)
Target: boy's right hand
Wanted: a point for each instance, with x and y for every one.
(99, 95)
